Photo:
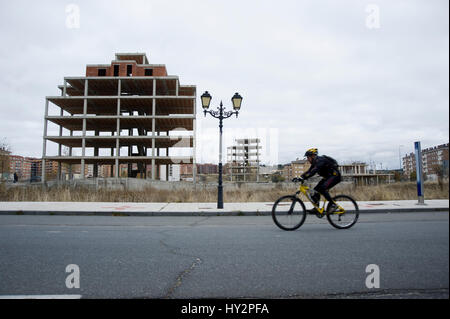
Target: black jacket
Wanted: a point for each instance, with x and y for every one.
(322, 166)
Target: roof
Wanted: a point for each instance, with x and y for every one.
(140, 58)
(299, 162)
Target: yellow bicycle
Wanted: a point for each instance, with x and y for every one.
(289, 212)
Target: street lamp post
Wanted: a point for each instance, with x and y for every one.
(221, 114)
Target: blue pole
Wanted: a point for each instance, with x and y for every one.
(419, 172)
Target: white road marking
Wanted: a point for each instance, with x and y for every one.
(40, 297)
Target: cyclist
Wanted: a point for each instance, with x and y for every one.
(326, 167)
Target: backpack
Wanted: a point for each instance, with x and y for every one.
(332, 162)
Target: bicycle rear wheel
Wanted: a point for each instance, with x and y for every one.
(346, 218)
(288, 212)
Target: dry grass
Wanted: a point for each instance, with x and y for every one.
(396, 191)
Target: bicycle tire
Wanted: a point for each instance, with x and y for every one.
(351, 212)
(293, 217)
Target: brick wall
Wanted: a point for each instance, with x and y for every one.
(137, 70)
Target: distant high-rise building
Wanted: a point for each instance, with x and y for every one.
(243, 159)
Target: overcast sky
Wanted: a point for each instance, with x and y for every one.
(357, 79)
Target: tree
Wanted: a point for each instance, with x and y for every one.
(397, 176)
(5, 150)
(276, 178)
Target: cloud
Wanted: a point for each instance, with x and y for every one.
(311, 70)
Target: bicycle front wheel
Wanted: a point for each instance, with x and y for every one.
(288, 212)
(345, 218)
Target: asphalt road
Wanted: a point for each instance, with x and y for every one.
(224, 257)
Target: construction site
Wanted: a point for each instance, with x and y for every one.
(243, 160)
(129, 117)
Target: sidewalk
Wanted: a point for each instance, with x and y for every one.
(195, 209)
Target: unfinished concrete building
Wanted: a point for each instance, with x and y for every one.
(243, 160)
(127, 112)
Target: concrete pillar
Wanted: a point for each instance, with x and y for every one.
(130, 152)
(153, 130)
(111, 168)
(257, 160)
(96, 155)
(65, 88)
(158, 167)
(70, 155)
(116, 160)
(44, 146)
(167, 165)
(83, 146)
(59, 174)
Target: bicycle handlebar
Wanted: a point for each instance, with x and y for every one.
(298, 180)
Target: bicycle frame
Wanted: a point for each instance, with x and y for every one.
(303, 189)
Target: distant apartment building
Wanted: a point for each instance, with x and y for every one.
(287, 172)
(433, 159)
(362, 175)
(295, 169)
(207, 168)
(355, 168)
(128, 112)
(185, 170)
(106, 171)
(28, 168)
(22, 166)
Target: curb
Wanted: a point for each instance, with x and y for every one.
(202, 213)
